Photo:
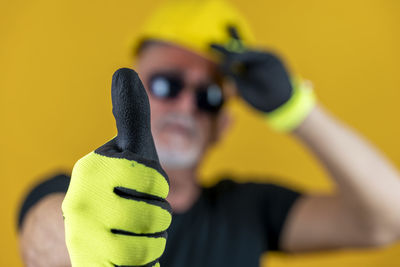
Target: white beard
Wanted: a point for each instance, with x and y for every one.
(175, 154)
(173, 158)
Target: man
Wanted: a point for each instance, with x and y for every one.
(229, 224)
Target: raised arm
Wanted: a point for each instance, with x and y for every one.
(364, 210)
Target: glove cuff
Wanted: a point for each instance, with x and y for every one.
(292, 113)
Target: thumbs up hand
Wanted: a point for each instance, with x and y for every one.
(115, 212)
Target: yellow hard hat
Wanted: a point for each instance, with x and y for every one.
(194, 25)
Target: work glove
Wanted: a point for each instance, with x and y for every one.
(115, 212)
(263, 81)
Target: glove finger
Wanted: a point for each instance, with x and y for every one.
(138, 214)
(226, 60)
(115, 248)
(233, 62)
(102, 174)
(126, 250)
(245, 56)
(227, 53)
(220, 49)
(251, 57)
(111, 249)
(109, 181)
(151, 264)
(131, 110)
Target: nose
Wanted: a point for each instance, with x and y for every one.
(185, 102)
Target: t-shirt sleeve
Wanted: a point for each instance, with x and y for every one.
(272, 203)
(56, 184)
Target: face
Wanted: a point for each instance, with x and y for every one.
(181, 130)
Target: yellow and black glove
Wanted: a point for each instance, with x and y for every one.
(115, 212)
(263, 81)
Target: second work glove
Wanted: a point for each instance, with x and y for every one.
(263, 81)
(115, 211)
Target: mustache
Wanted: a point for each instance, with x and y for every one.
(183, 120)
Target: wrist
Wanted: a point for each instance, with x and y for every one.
(292, 113)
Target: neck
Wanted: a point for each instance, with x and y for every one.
(184, 189)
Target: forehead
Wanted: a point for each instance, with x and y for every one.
(164, 57)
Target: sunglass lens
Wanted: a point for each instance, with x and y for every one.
(160, 87)
(210, 100)
(163, 86)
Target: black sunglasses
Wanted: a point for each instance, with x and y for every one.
(209, 96)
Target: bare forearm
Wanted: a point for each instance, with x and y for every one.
(367, 182)
(41, 238)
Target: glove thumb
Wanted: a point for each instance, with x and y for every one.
(131, 110)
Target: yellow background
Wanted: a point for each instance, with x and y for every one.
(56, 62)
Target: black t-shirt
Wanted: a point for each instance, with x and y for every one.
(231, 224)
